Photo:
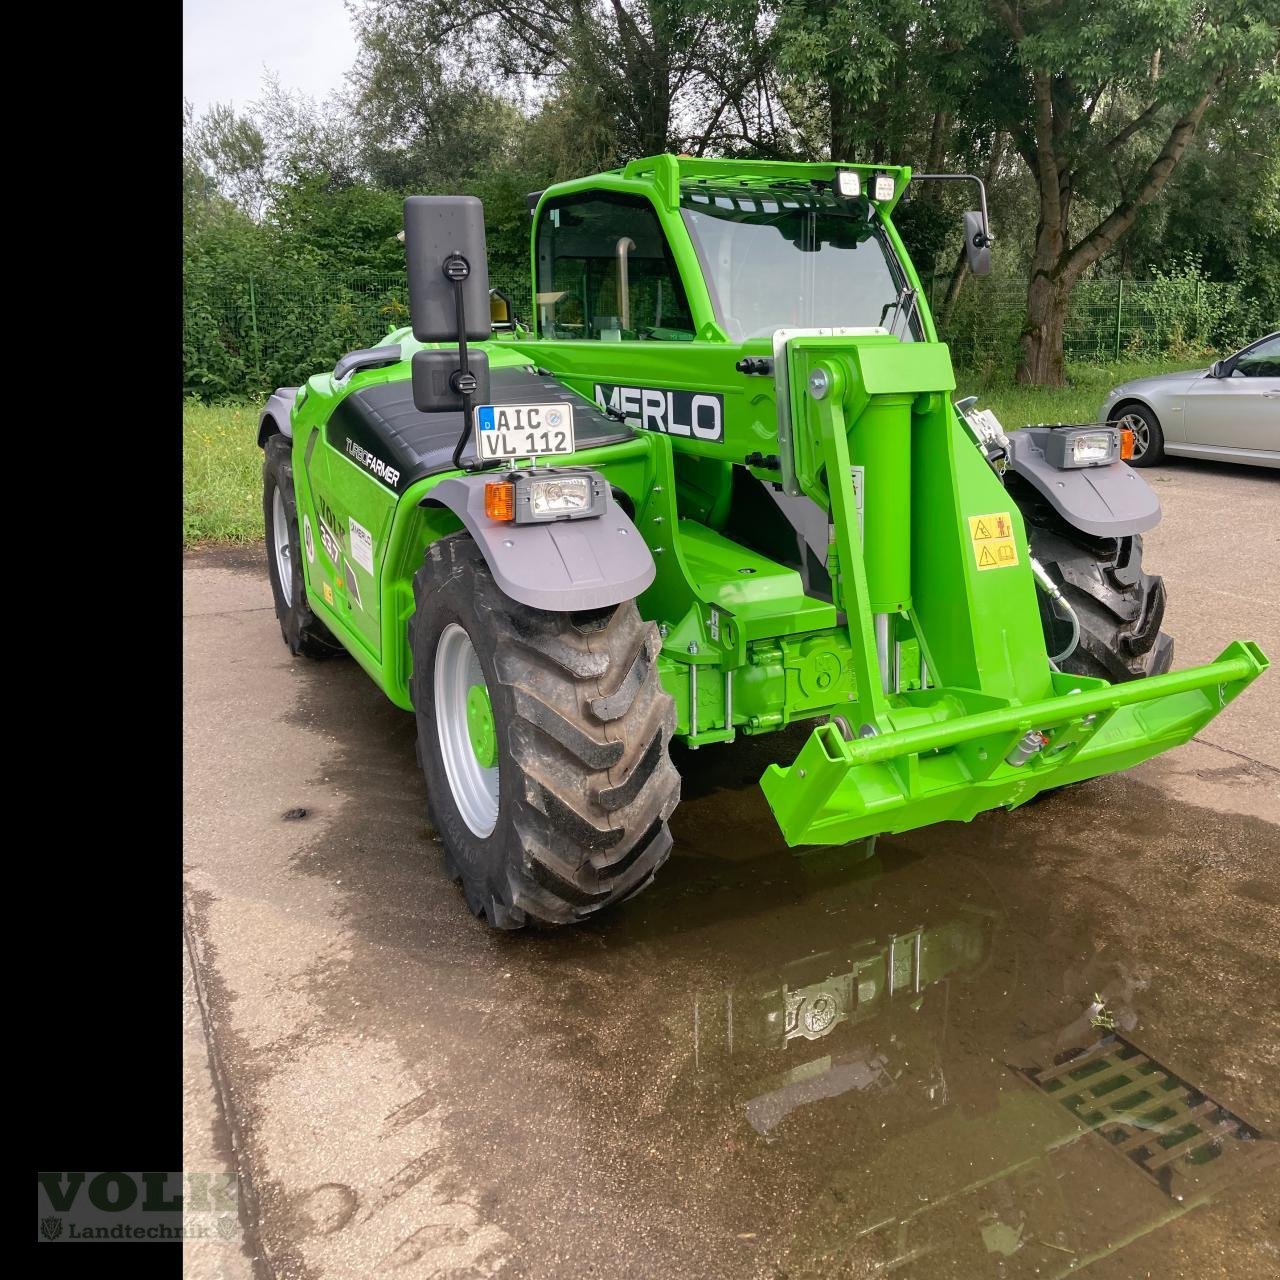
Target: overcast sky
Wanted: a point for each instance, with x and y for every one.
(226, 45)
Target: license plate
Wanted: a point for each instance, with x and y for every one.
(523, 430)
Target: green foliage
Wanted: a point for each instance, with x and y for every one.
(1179, 315)
(221, 472)
(1077, 401)
(350, 229)
(291, 208)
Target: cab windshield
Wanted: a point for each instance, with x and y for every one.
(779, 258)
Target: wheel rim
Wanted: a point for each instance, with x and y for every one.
(280, 539)
(1141, 433)
(464, 724)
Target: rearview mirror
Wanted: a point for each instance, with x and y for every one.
(977, 244)
(1220, 369)
(443, 244)
(438, 382)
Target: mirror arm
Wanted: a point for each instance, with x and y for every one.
(988, 238)
(456, 269)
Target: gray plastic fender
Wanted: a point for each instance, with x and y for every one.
(561, 567)
(1107, 502)
(278, 408)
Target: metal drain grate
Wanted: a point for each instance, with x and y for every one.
(1175, 1133)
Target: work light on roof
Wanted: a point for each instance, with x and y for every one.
(848, 184)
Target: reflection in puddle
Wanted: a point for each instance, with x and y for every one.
(816, 997)
(883, 1065)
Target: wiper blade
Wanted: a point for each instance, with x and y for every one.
(913, 297)
(907, 297)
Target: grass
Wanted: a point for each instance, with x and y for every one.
(221, 472)
(222, 464)
(1079, 401)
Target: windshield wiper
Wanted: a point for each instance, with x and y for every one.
(908, 297)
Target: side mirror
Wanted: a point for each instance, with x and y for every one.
(438, 381)
(1222, 368)
(444, 246)
(977, 243)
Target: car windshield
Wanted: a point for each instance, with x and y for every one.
(779, 258)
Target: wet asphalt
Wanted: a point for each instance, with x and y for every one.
(843, 1064)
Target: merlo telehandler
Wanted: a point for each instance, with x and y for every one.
(714, 484)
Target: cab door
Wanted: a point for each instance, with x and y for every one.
(615, 321)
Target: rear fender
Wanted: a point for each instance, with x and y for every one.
(562, 567)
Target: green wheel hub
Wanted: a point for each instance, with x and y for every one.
(480, 727)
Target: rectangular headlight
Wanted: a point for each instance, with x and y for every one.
(559, 495)
(1093, 447)
(539, 496)
(1087, 447)
(882, 186)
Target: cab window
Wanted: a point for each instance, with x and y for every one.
(605, 273)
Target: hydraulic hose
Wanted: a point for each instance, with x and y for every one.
(1056, 598)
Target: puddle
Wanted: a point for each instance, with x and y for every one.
(825, 1065)
(860, 1058)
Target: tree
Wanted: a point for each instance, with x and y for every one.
(229, 153)
(1221, 209)
(1101, 100)
(658, 74)
(875, 65)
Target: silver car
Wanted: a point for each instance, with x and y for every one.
(1229, 412)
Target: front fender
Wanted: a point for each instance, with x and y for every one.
(560, 567)
(276, 413)
(1106, 502)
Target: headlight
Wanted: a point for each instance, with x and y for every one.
(1065, 447)
(536, 497)
(558, 496)
(1095, 447)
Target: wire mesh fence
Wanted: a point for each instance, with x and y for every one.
(245, 335)
(1180, 317)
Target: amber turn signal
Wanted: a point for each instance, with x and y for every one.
(1126, 444)
(500, 500)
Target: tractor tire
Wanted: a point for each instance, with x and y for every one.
(1119, 606)
(303, 632)
(1148, 438)
(544, 738)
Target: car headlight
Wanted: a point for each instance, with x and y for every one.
(1068, 448)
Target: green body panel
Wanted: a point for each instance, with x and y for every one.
(745, 646)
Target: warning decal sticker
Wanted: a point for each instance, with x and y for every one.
(993, 544)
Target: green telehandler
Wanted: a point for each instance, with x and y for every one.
(714, 486)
